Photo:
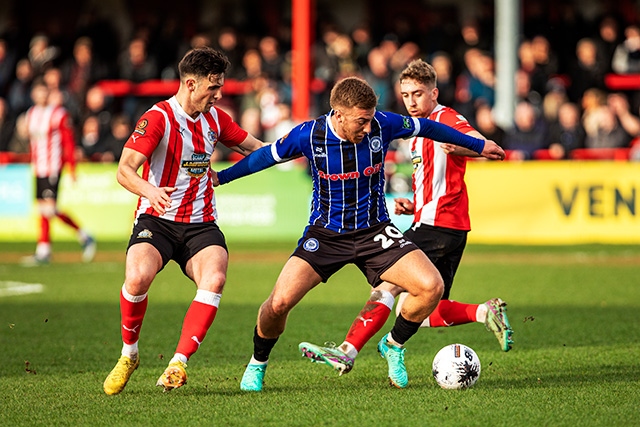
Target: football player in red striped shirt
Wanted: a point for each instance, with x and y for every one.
(173, 142)
(52, 143)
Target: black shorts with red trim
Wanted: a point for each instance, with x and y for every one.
(373, 250)
(176, 241)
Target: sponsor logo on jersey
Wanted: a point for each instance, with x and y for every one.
(319, 152)
(141, 127)
(311, 245)
(368, 171)
(197, 166)
(375, 144)
(406, 122)
(145, 234)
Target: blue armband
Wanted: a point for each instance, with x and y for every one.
(443, 133)
(254, 162)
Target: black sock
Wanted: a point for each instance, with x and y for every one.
(403, 329)
(262, 346)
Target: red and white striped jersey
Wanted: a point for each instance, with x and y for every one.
(51, 139)
(178, 150)
(439, 192)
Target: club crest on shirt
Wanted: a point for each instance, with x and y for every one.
(375, 144)
(197, 166)
(213, 136)
(141, 127)
(311, 245)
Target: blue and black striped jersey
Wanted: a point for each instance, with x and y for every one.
(348, 178)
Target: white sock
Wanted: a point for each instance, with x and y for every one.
(178, 357)
(481, 313)
(130, 350)
(348, 349)
(390, 340)
(253, 361)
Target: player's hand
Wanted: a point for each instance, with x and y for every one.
(492, 151)
(160, 199)
(214, 178)
(448, 148)
(403, 206)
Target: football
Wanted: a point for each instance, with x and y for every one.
(456, 366)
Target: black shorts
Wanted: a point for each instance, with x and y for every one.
(176, 240)
(373, 250)
(443, 246)
(47, 187)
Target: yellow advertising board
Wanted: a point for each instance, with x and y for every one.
(554, 202)
(511, 203)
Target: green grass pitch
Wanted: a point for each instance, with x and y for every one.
(576, 360)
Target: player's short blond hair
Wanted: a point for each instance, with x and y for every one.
(353, 92)
(420, 71)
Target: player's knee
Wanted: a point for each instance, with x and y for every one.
(432, 287)
(214, 282)
(280, 306)
(47, 211)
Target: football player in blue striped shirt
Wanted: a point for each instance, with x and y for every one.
(349, 222)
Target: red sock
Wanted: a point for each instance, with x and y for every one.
(371, 319)
(196, 323)
(67, 220)
(44, 230)
(132, 314)
(449, 313)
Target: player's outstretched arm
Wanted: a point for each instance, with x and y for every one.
(255, 162)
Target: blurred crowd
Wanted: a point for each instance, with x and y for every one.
(563, 101)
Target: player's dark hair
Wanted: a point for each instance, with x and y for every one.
(421, 72)
(202, 62)
(353, 92)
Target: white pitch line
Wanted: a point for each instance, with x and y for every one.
(19, 288)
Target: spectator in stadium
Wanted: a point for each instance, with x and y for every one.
(487, 125)
(115, 139)
(441, 62)
(41, 54)
(566, 133)
(607, 40)
(52, 142)
(175, 140)
(611, 123)
(7, 126)
(19, 95)
(626, 57)
(136, 65)
(440, 227)
(378, 75)
(82, 70)
(528, 134)
(630, 122)
(272, 58)
(91, 146)
(546, 64)
(348, 209)
(585, 70)
(7, 66)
